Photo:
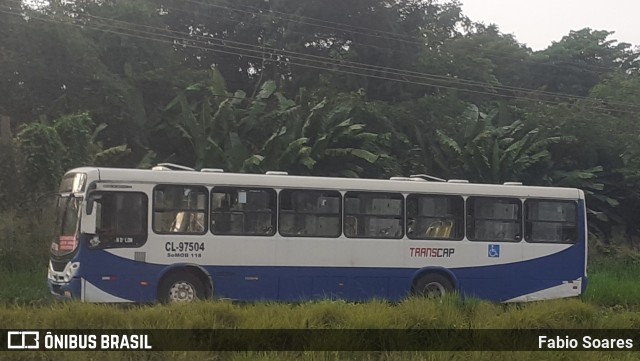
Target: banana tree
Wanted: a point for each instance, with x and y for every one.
(206, 116)
(487, 153)
(325, 138)
(602, 203)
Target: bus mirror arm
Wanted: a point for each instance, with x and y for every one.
(88, 221)
(90, 201)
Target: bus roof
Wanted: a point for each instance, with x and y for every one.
(277, 181)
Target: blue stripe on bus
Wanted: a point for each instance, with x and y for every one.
(496, 282)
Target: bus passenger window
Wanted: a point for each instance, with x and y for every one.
(243, 211)
(435, 217)
(179, 209)
(494, 219)
(310, 213)
(550, 221)
(373, 215)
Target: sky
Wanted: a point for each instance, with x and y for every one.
(538, 23)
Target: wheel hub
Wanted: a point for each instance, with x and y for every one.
(182, 292)
(434, 290)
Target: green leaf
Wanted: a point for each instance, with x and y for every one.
(217, 85)
(293, 152)
(339, 112)
(448, 142)
(313, 123)
(495, 163)
(253, 163)
(349, 173)
(180, 98)
(238, 97)
(111, 155)
(97, 130)
(366, 155)
(284, 103)
(236, 152)
(359, 153)
(266, 90)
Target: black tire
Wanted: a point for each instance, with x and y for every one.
(433, 285)
(181, 287)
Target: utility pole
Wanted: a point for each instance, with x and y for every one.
(5, 129)
(9, 184)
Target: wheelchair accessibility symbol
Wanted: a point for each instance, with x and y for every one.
(494, 250)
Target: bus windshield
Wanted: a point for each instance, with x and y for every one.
(65, 240)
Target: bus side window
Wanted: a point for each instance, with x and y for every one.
(243, 211)
(373, 215)
(221, 219)
(550, 221)
(494, 219)
(179, 209)
(435, 217)
(310, 213)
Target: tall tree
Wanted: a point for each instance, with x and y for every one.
(581, 60)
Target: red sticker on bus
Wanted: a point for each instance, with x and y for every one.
(67, 243)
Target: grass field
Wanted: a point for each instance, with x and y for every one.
(611, 302)
(450, 313)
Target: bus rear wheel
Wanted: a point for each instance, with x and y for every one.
(181, 287)
(433, 285)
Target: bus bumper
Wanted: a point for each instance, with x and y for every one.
(67, 290)
(81, 289)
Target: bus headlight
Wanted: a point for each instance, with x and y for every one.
(50, 274)
(71, 270)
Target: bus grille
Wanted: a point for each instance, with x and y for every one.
(58, 266)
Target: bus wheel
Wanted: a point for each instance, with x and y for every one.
(433, 285)
(181, 287)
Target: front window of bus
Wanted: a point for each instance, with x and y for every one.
(68, 214)
(68, 208)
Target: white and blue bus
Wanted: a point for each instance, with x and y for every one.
(167, 234)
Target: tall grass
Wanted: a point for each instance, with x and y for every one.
(412, 313)
(24, 287)
(613, 275)
(25, 238)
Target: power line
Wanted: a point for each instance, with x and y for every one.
(367, 67)
(172, 40)
(394, 51)
(412, 40)
(315, 19)
(262, 53)
(351, 43)
(346, 42)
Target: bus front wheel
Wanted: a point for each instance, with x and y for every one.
(433, 285)
(181, 287)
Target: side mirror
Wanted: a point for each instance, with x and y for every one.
(90, 201)
(88, 220)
